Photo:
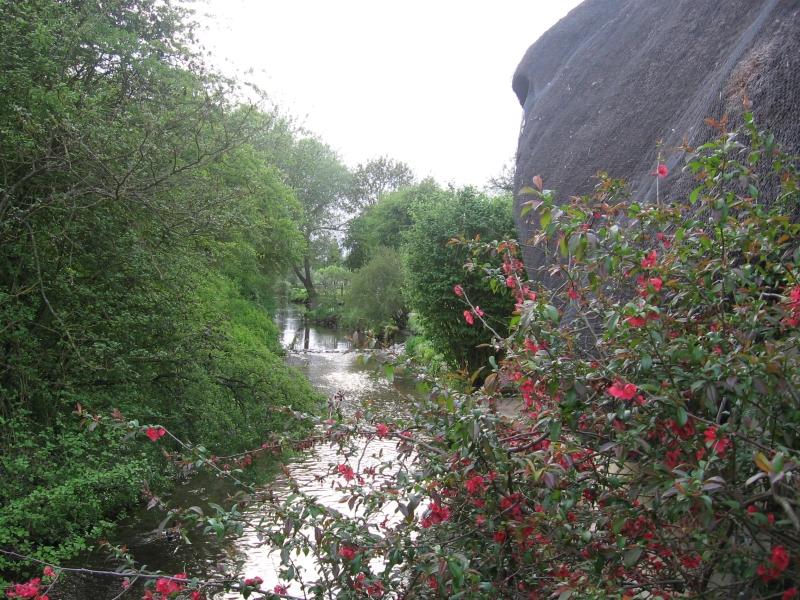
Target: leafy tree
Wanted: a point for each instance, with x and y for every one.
(376, 178)
(375, 296)
(433, 268)
(383, 224)
(320, 183)
(503, 182)
(334, 279)
(334, 254)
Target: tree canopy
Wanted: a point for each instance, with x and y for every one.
(139, 226)
(433, 268)
(376, 178)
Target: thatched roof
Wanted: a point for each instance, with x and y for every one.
(613, 76)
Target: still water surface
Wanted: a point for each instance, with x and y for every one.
(322, 355)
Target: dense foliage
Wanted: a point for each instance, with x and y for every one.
(382, 224)
(639, 442)
(433, 267)
(376, 178)
(138, 227)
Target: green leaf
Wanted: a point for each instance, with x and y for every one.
(555, 430)
(545, 218)
(632, 556)
(551, 312)
(682, 417)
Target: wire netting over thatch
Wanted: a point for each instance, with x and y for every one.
(612, 77)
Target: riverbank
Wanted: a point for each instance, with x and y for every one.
(325, 359)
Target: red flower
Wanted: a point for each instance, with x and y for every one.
(155, 432)
(673, 458)
(348, 553)
(789, 594)
(280, 590)
(49, 572)
(475, 485)
(468, 317)
(780, 557)
(644, 284)
(661, 171)
(531, 346)
(649, 260)
(572, 293)
(24, 590)
(635, 321)
(459, 291)
(168, 586)
(622, 390)
(690, 562)
(346, 471)
(684, 432)
(375, 590)
(436, 514)
(381, 429)
(768, 575)
(478, 311)
(718, 444)
(499, 537)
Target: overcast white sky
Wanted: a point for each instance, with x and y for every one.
(425, 82)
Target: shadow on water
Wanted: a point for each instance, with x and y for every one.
(322, 356)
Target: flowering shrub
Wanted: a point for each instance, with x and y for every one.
(651, 448)
(638, 437)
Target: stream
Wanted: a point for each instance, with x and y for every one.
(322, 356)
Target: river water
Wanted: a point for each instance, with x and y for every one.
(326, 359)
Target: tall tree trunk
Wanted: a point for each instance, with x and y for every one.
(304, 275)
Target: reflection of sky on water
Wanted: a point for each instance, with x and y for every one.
(330, 371)
(296, 336)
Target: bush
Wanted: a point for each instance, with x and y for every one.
(298, 296)
(327, 312)
(433, 267)
(375, 296)
(652, 436)
(655, 451)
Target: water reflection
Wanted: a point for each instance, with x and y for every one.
(322, 356)
(295, 335)
(330, 370)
